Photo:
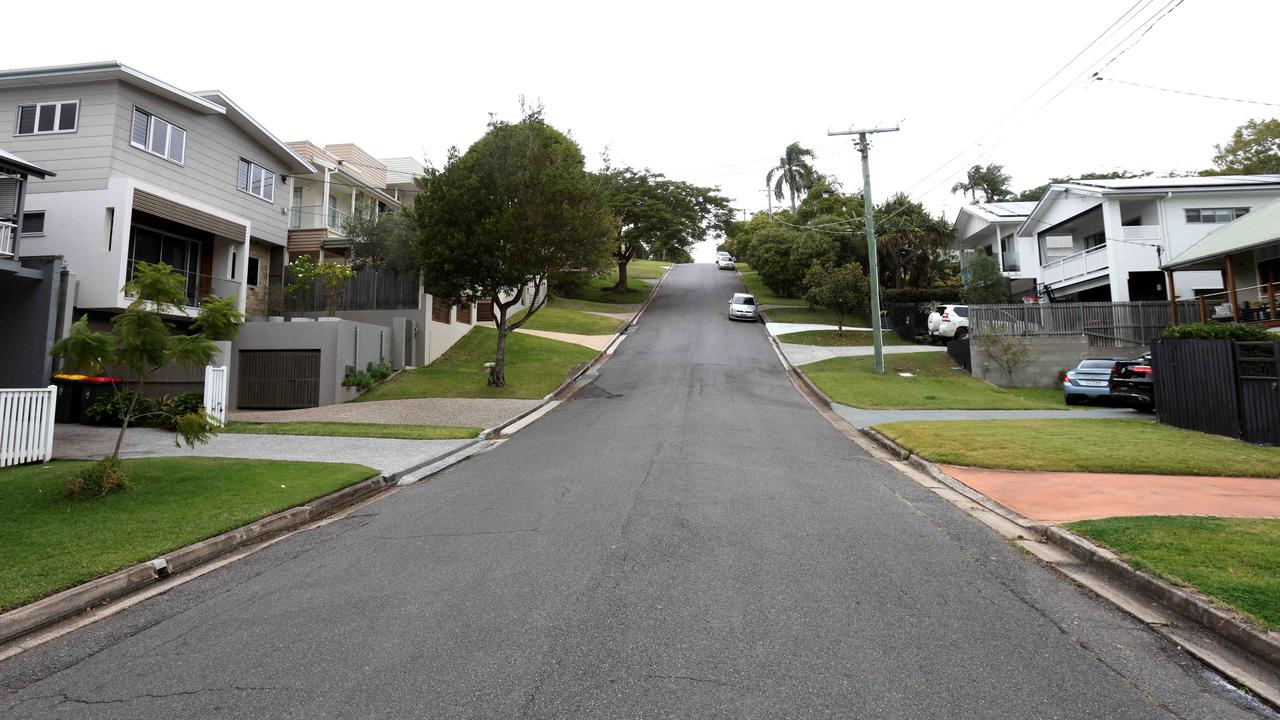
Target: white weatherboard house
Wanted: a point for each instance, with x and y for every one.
(147, 172)
(991, 229)
(1100, 240)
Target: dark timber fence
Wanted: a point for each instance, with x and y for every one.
(1220, 387)
(370, 289)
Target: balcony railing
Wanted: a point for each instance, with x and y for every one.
(199, 287)
(8, 233)
(315, 217)
(1077, 266)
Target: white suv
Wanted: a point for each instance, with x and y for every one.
(948, 322)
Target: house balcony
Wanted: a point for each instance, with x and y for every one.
(8, 240)
(1141, 233)
(1084, 265)
(317, 217)
(198, 287)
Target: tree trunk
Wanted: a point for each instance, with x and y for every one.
(498, 373)
(124, 425)
(621, 285)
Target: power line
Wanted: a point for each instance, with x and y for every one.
(1185, 92)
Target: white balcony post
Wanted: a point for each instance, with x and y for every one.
(324, 216)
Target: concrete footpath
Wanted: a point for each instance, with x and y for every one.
(459, 412)
(862, 418)
(805, 354)
(83, 442)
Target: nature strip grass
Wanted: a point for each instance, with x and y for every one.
(802, 314)
(932, 385)
(348, 429)
(535, 366)
(556, 319)
(1083, 445)
(831, 338)
(52, 542)
(1232, 560)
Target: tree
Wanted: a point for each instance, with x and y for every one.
(986, 283)
(329, 278)
(658, 216)
(792, 172)
(143, 341)
(842, 290)
(497, 221)
(912, 239)
(380, 239)
(1254, 149)
(771, 254)
(991, 181)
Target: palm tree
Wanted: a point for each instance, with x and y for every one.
(992, 181)
(793, 172)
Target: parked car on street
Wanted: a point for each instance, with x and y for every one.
(948, 322)
(742, 307)
(1132, 383)
(1090, 381)
(725, 262)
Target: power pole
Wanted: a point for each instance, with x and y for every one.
(873, 264)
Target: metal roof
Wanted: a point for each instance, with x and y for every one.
(108, 70)
(1205, 181)
(10, 161)
(1008, 209)
(1259, 227)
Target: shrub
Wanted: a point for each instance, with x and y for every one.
(172, 408)
(986, 285)
(379, 372)
(111, 409)
(1218, 331)
(359, 379)
(99, 478)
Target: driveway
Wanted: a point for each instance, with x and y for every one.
(805, 354)
(461, 412)
(685, 538)
(83, 442)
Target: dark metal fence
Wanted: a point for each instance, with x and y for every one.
(959, 351)
(370, 289)
(909, 320)
(1220, 387)
(1106, 324)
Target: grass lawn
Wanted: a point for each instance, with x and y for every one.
(349, 429)
(934, 385)
(1234, 561)
(850, 338)
(763, 294)
(52, 542)
(555, 318)
(1083, 445)
(803, 314)
(535, 367)
(597, 289)
(565, 303)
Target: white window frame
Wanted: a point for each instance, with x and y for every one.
(1236, 214)
(151, 134)
(57, 118)
(44, 219)
(251, 277)
(267, 180)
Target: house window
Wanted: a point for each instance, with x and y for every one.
(255, 266)
(50, 117)
(181, 254)
(256, 180)
(1094, 240)
(33, 223)
(158, 136)
(1215, 215)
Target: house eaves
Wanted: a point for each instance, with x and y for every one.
(110, 70)
(12, 163)
(243, 120)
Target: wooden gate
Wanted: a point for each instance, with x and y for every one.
(1220, 387)
(278, 379)
(1258, 370)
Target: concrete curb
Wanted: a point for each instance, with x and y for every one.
(597, 361)
(1225, 625)
(798, 374)
(23, 620)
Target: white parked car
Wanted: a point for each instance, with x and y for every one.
(742, 307)
(726, 263)
(949, 322)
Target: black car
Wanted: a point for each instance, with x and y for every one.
(1132, 383)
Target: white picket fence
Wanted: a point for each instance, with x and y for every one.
(215, 393)
(26, 425)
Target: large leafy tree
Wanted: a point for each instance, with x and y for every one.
(497, 221)
(1254, 149)
(843, 290)
(991, 182)
(380, 239)
(143, 340)
(658, 216)
(911, 239)
(794, 173)
(986, 285)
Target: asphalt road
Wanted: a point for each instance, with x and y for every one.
(686, 538)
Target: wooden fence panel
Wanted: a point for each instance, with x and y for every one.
(1258, 365)
(1195, 385)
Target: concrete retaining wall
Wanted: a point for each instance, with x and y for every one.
(342, 344)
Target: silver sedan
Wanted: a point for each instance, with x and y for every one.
(742, 307)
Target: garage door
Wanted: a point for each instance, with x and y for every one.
(278, 379)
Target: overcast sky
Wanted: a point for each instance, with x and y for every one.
(713, 92)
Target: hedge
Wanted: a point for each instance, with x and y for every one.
(922, 295)
(1218, 331)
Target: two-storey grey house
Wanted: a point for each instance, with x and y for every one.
(147, 172)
